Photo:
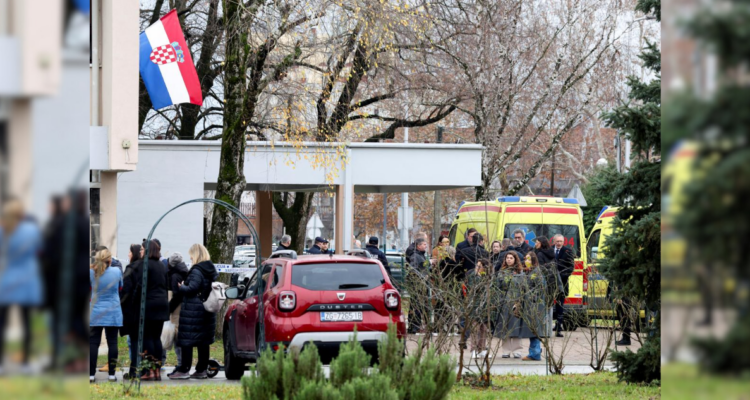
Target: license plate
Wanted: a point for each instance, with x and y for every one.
(340, 316)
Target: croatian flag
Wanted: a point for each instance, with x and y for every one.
(166, 66)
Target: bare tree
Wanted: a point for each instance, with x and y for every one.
(526, 70)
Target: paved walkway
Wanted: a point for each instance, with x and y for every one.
(575, 345)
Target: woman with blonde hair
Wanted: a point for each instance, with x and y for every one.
(106, 313)
(20, 280)
(197, 326)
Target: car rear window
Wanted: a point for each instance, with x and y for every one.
(344, 276)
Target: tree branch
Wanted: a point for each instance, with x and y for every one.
(390, 132)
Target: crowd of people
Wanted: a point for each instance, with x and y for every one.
(515, 277)
(174, 293)
(38, 265)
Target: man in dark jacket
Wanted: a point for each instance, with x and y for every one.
(519, 243)
(468, 240)
(372, 247)
(317, 248)
(564, 260)
(418, 258)
(284, 243)
(197, 326)
(410, 250)
(420, 265)
(468, 256)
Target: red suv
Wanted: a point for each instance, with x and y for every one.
(315, 298)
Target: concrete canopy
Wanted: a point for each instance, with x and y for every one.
(170, 172)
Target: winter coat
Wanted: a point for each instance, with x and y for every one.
(496, 260)
(545, 256)
(469, 255)
(157, 303)
(450, 271)
(537, 303)
(480, 288)
(419, 261)
(512, 288)
(105, 298)
(176, 274)
(282, 247)
(524, 248)
(117, 264)
(315, 250)
(20, 279)
(51, 260)
(197, 326)
(565, 262)
(375, 251)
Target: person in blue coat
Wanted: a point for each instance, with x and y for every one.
(20, 280)
(106, 314)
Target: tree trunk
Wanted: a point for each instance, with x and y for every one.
(295, 217)
(209, 42)
(231, 181)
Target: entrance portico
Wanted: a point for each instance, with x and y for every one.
(170, 172)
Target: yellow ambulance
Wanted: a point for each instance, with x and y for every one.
(599, 305)
(536, 216)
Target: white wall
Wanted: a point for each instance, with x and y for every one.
(60, 126)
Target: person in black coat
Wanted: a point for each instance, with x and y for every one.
(468, 256)
(285, 243)
(197, 326)
(544, 251)
(409, 252)
(467, 241)
(372, 247)
(564, 260)
(519, 243)
(157, 308)
(317, 248)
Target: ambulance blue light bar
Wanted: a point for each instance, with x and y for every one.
(602, 212)
(508, 199)
(570, 201)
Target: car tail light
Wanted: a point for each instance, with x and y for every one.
(287, 301)
(391, 299)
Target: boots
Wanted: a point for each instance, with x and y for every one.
(625, 341)
(150, 375)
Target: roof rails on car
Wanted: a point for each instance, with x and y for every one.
(284, 254)
(359, 253)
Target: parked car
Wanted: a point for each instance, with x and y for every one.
(310, 300)
(396, 260)
(244, 251)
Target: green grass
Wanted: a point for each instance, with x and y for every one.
(108, 391)
(599, 386)
(123, 358)
(46, 388)
(685, 381)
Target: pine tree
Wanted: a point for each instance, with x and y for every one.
(633, 254)
(598, 193)
(716, 223)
